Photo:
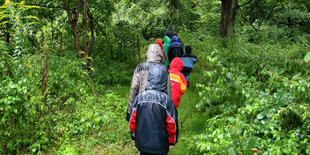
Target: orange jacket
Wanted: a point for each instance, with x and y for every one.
(178, 81)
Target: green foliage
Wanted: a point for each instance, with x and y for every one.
(202, 16)
(307, 57)
(5, 60)
(255, 100)
(13, 17)
(33, 121)
(251, 90)
(74, 106)
(113, 73)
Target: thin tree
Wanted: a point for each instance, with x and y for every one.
(75, 26)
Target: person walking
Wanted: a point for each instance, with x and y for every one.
(175, 49)
(167, 42)
(189, 59)
(154, 118)
(178, 81)
(160, 43)
(154, 55)
(170, 32)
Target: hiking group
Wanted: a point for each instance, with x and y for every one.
(155, 93)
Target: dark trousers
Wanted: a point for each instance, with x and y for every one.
(186, 72)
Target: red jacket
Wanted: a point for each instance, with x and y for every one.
(160, 43)
(178, 81)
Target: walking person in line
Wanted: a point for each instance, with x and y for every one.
(154, 55)
(178, 81)
(167, 42)
(154, 118)
(170, 32)
(189, 59)
(160, 43)
(175, 49)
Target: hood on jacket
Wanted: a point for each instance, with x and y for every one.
(167, 40)
(188, 49)
(160, 43)
(155, 54)
(175, 39)
(157, 79)
(176, 64)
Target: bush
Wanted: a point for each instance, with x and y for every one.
(256, 98)
(73, 108)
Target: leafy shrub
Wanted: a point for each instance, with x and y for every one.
(112, 72)
(73, 108)
(255, 100)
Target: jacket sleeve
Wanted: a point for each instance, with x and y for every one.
(134, 90)
(172, 123)
(183, 84)
(133, 119)
(169, 91)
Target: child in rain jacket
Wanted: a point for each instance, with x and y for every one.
(154, 118)
(175, 49)
(177, 79)
(167, 42)
(160, 43)
(154, 55)
(189, 59)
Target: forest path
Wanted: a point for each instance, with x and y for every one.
(191, 122)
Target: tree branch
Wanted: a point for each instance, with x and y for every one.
(247, 20)
(100, 28)
(49, 7)
(74, 26)
(69, 14)
(246, 3)
(78, 10)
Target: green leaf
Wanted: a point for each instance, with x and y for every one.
(259, 116)
(229, 75)
(307, 57)
(231, 151)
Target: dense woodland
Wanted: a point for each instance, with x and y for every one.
(66, 68)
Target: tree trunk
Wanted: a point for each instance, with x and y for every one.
(75, 26)
(229, 9)
(76, 40)
(85, 27)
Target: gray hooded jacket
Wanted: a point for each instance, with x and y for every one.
(154, 55)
